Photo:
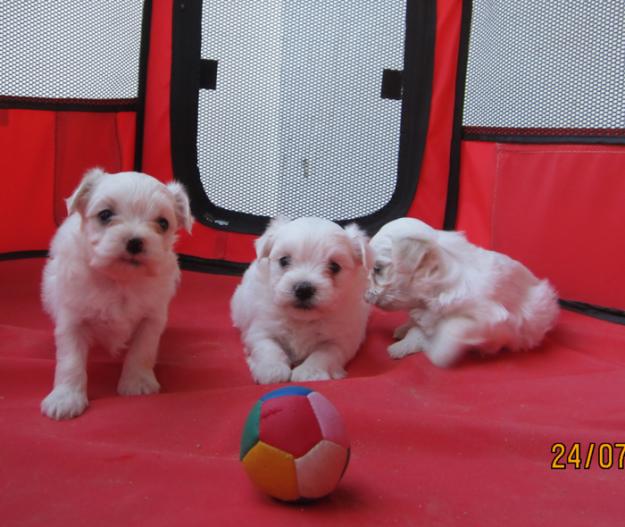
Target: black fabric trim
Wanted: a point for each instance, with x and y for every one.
(185, 86)
(507, 131)
(453, 183)
(68, 105)
(543, 139)
(205, 265)
(208, 74)
(417, 91)
(391, 84)
(609, 314)
(144, 53)
(20, 255)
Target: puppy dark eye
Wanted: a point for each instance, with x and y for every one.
(377, 269)
(163, 224)
(105, 216)
(334, 267)
(285, 261)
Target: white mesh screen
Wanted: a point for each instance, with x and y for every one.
(546, 64)
(75, 49)
(296, 125)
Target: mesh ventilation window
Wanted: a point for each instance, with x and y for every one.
(296, 125)
(557, 64)
(65, 49)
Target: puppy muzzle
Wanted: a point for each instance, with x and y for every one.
(304, 293)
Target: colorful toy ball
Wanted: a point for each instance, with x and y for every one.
(294, 444)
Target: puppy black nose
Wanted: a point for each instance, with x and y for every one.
(134, 245)
(304, 291)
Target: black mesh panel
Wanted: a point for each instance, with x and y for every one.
(70, 49)
(297, 124)
(539, 67)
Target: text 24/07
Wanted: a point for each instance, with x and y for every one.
(604, 455)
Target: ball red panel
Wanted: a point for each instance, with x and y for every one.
(290, 424)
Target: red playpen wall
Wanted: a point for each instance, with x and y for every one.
(557, 208)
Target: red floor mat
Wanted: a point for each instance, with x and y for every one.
(469, 446)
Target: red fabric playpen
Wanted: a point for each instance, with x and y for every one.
(502, 119)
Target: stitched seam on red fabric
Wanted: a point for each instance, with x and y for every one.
(493, 212)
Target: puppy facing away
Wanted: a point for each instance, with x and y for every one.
(459, 296)
(300, 305)
(109, 279)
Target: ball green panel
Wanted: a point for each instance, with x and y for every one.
(251, 430)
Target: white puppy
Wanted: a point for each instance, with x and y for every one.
(459, 296)
(301, 303)
(109, 279)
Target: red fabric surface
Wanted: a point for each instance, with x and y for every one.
(557, 208)
(27, 170)
(43, 155)
(478, 165)
(466, 446)
(157, 131)
(84, 140)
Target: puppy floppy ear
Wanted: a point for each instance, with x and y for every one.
(181, 205)
(360, 244)
(77, 202)
(264, 244)
(416, 256)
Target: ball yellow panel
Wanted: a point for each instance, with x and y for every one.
(272, 470)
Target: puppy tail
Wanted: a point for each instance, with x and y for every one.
(540, 313)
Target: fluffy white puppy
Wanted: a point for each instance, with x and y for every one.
(109, 279)
(300, 306)
(459, 296)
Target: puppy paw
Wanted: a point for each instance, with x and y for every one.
(270, 372)
(306, 372)
(401, 349)
(138, 382)
(64, 403)
(413, 342)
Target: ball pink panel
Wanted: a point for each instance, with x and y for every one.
(330, 421)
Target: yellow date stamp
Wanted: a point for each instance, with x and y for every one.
(604, 455)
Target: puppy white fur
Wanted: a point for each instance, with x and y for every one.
(459, 296)
(300, 306)
(109, 279)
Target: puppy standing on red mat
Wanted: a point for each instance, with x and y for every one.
(110, 277)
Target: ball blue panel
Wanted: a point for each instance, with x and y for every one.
(287, 390)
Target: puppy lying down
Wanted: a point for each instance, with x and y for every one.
(459, 296)
(300, 305)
